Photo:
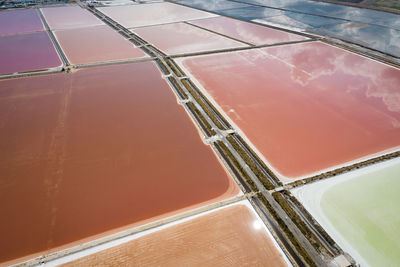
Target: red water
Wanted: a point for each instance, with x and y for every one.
(228, 237)
(20, 21)
(95, 150)
(131, 16)
(65, 17)
(27, 52)
(179, 38)
(81, 45)
(245, 31)
(306, 107)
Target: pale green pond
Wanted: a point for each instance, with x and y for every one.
(364, 210)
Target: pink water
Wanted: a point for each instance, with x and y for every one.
(306, 107)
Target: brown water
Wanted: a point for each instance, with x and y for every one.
(81, 45)
(95, 150)
(245, 31)
(306, 107)
(179, 38)
(65, 17)
(228, 237)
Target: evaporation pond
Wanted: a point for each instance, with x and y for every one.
(380, 38)
(305, 107)
(96, 151)
(232, 235)
(180, 38)
(152, 14)
(212, 5)
(81, 45)
(245, 31)
(69, 17)
(297, 20)
(274, 3)
(27, 52)
(20, 21)
(361, 211)
(251, 12)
